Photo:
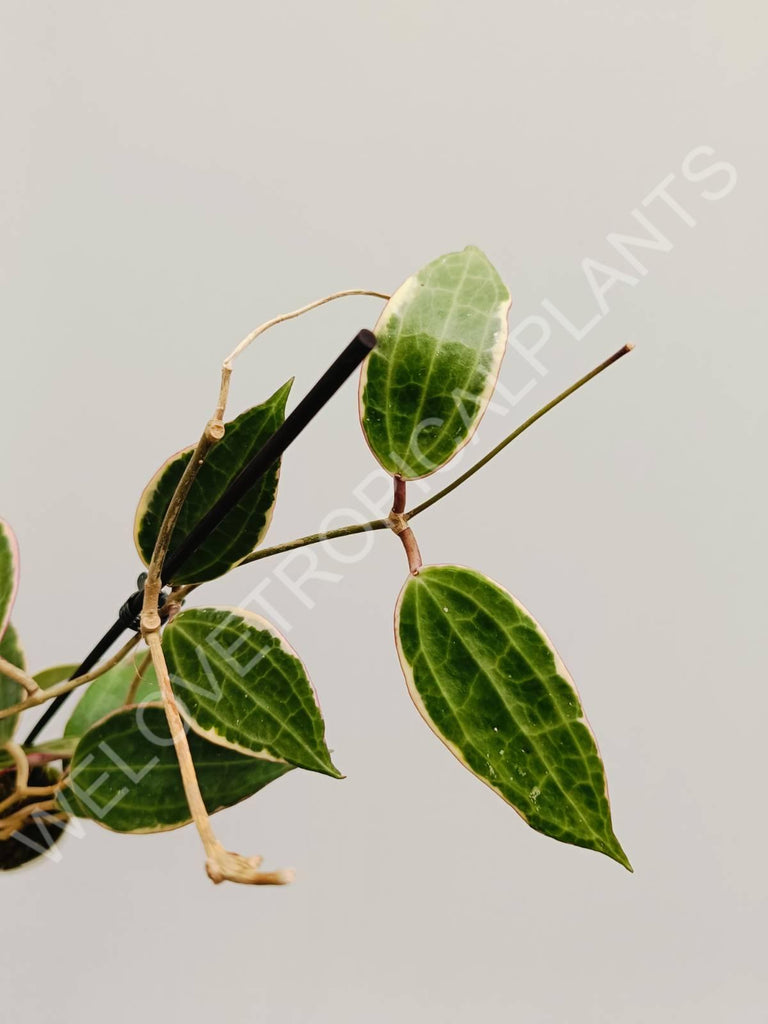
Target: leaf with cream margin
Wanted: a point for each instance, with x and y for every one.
(10, 691)
(245, 526)
(240, 684)
(489, 683)
(441, 339)
(125, 775)
(9, 573)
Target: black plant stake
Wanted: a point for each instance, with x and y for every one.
(237, 708)
(337, 373)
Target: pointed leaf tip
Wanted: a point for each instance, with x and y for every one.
(246, 525)
(240, 684)
(489, 683)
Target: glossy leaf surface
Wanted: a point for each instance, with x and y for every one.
(245, 526)
(125, 775)
(240, 684)
(426, 385)
(489, 683)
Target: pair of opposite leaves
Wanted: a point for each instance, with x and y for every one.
(480, 670)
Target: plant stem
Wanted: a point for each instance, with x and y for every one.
(165, 567)
(21, 764)
(399, 525)
(220, 864)
(139, 673)
(150, 615)
(390, 523)
(70, 684)
(273, 449)
(54, 750)
(226, 368)
(27, 683)
(344, 531)
(315, 538)
(16, 822)
(516, 433)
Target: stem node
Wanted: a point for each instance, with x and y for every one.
(398, 523)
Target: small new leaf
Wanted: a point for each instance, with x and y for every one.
(56, 674)
(240, 684)
(489, 683)
(125, 775)
(426, 385)
(245, 526)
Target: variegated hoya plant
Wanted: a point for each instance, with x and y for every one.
(220, 705)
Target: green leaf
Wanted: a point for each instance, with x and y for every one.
(488, 682)
(108, 692)
(125, 775)
(9, 573)
(51, 676)
(246, 525)
(10, 692)
(426, 385)
(241, 685)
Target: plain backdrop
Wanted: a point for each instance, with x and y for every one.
(173, 174)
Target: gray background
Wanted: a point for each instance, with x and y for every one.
(175, 173)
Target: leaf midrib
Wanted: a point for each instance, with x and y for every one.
(553, 769)
(312, 756)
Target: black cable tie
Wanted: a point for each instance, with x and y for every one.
(129, 615)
